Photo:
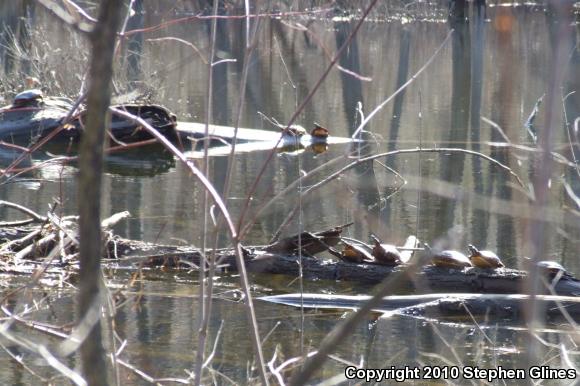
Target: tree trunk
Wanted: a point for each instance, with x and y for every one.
(89, 193)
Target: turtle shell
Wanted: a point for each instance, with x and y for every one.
(450, 259)
(27, 98)
(552, 267)
(355, 253)
(386, 254)
(484, 259)
(296, 130)
(319, 131)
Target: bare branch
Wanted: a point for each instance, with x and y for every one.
(73, 15)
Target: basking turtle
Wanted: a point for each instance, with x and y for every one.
(28, 98)
(552, 268)
(449, 258)
(319, 131)
(484, 259)
(294, 131)
(385, 254)
(319, 147)
(309, 243)
(354, 253)
(32, 116)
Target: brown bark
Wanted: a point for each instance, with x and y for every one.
(90, 181)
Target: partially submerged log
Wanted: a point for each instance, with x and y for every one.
(227, 133)
(490, 306)
(428, 279)
(281, 258)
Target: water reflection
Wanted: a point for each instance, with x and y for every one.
(158, 322)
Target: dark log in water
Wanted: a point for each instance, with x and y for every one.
(281, 258)
(428, 279)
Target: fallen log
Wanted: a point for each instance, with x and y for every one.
(490, 306)
(282, 258)
(428, 279)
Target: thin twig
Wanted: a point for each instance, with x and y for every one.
(228, 17)
(189, 44)
(241, 265)
(250, 46)
(497, 127)
(392, 153)
(19, 359)
(568, 128)
(204, 306)
(404, 86)
(300, 108)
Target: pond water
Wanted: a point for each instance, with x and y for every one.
(494, 68)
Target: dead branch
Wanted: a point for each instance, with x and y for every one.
(114, 220)
(17, 243)
(35, 216)
(73, 15)
(30, 251)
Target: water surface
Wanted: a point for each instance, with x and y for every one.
(496, 67)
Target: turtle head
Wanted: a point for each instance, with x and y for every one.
(473, 250)
(375, 238)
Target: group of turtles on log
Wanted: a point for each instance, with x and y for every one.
(450, 284)
(441, 272)
(357, 252)
(304, 254)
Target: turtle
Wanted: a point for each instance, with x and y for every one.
(449, 259)
(552, 268)
(484, 259)
(294, 131)
(385, 254)
(319, 131)
(319, 147)
(28, 98)
(309, 243)
(354, 253)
